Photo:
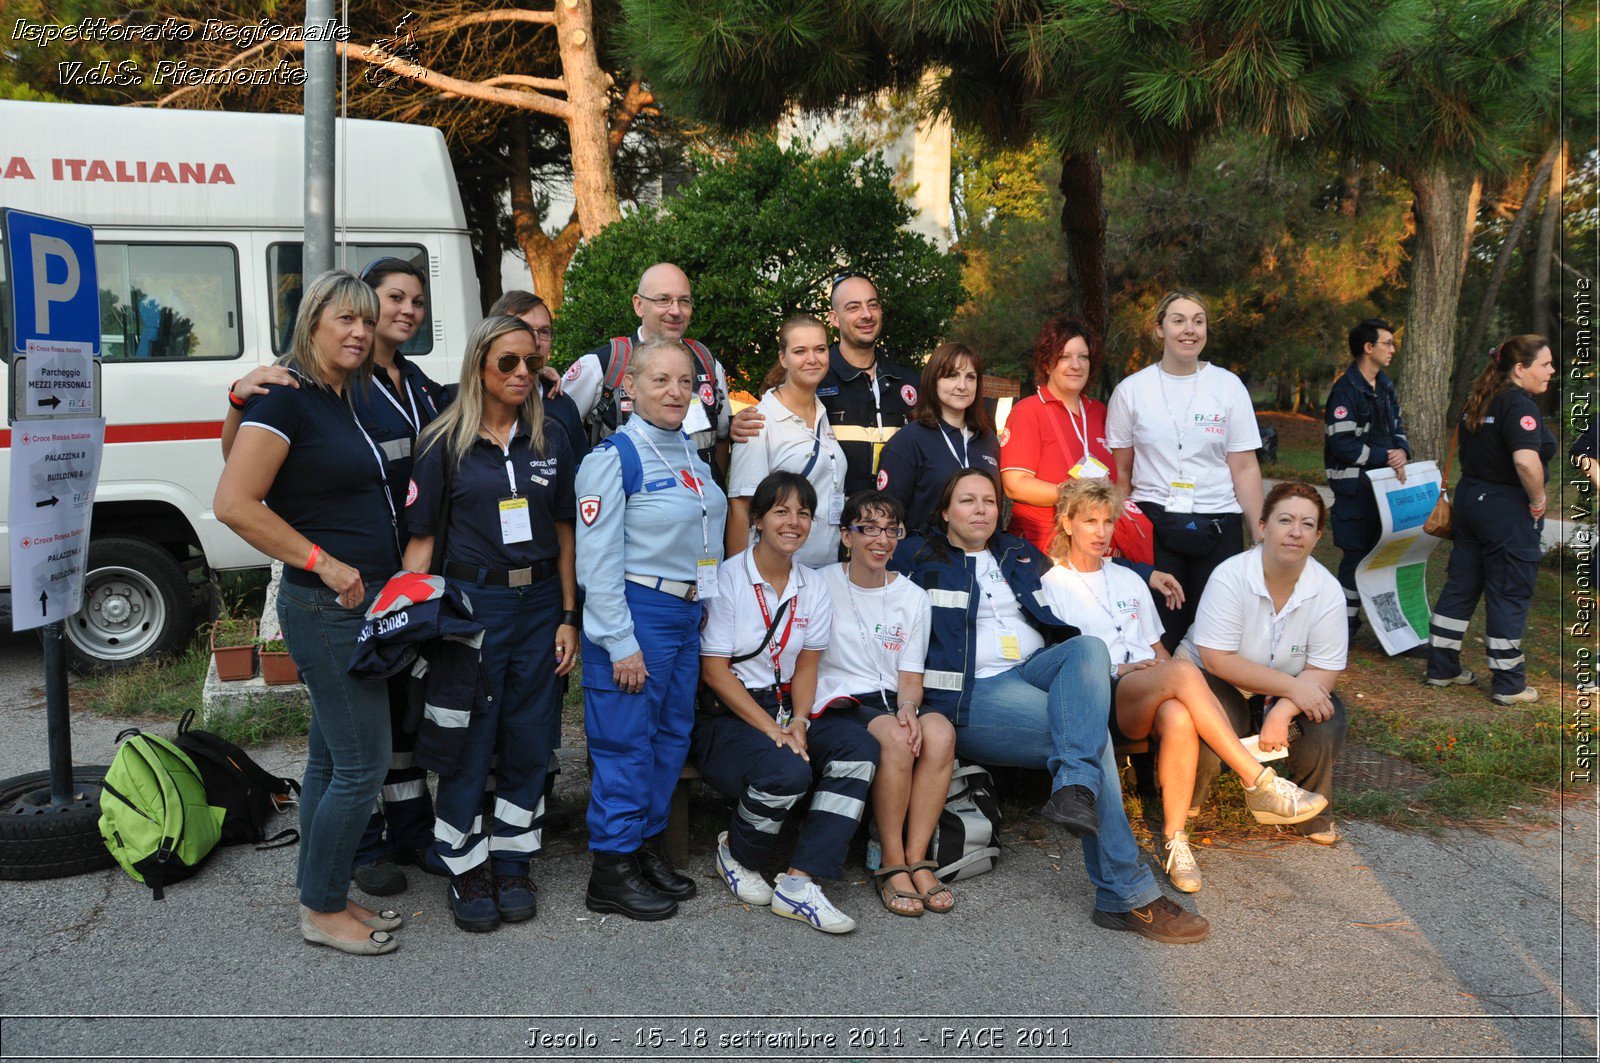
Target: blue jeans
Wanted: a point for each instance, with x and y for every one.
(348, 749)
(1050, 712)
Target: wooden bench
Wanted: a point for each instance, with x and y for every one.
(677, 835)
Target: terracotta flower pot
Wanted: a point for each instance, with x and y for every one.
(278, 668)
(237, 658)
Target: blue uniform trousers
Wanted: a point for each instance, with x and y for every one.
(1496, 556)
(402, 821)
(638, 742)
(490, 808)
(769, 782)
(1356, 530)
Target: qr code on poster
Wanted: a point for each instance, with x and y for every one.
(1389, 613)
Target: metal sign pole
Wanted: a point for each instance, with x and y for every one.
(57, 723)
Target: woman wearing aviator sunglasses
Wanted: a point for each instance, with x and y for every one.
(498, 487)
(872, 671)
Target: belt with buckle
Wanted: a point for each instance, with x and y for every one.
(687, 591)
(495, 577)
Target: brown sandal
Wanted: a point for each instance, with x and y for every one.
(927, 898)
(889, 894)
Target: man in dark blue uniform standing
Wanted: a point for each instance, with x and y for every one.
(1363, 431)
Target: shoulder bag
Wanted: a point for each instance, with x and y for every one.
(1440, 522)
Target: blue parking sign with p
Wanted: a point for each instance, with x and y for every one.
(55, 293)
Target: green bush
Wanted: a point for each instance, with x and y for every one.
(761, 235)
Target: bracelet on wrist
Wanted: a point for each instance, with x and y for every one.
(233, 400)
(569, 617)
(915, 709)
(311, 558)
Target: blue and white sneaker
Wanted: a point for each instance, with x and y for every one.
(814, 908)
(745, 884)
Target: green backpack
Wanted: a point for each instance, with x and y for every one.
(157, 822)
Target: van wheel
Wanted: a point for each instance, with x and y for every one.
(137, 604)
(41, 840)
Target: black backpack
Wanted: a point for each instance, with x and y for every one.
(247, 792)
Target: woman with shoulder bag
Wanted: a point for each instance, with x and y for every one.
(505, 478)
(758, 742)
(305, 484)
(1498, 520)
(1183, 436)
(650, 526)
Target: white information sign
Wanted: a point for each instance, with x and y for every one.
(1392, 578)
(55, 466)
(58, 378)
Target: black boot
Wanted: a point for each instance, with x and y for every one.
(617, 885)
(659, 872)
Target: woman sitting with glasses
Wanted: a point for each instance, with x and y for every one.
(872, 672)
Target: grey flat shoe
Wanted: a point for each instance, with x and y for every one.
(388, 919)
(375, 944)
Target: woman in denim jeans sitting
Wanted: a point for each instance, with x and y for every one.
(328, 517)
(1024, 690)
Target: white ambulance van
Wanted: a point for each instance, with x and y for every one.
(198, 222)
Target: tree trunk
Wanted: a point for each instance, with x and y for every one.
(1445, 207)
(1083, 225)
(547, 258)
(588, 118)
(1548, 224)
(1470, 360)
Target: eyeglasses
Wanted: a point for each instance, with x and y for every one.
(543, 333)
(507, 363)
(872, 531)
(667, 302)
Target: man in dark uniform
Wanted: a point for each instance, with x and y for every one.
(1363, 431)
(868, 395)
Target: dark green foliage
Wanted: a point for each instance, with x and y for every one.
(761, 235)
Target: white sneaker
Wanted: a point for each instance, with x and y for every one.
(814, 908)
(1525, 694)
(1181, 868)
(1275, 799)
(745, 884)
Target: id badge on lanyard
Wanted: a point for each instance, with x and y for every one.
(515, 523)
(705, 569)
(1180, 496)
(705, 578)
(1010, 645)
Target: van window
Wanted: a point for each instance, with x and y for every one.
(163, 302)
(286, 280)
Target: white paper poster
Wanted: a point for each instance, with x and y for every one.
(1392, 578)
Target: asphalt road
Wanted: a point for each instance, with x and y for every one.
(1466, 945)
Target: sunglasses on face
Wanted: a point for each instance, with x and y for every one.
(507, 363)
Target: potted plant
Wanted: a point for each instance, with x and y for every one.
(233, 647)
(277, 667)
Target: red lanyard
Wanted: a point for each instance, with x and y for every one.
(776, 646)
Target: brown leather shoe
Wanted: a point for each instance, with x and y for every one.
(1160, 920)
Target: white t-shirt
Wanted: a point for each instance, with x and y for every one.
(1098, 603)
(1235, 613)
(878, 633)
(1000, 617)
(1216, 418)
(734, 622)
(786, 444)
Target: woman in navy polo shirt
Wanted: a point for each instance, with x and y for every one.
(329, 518)
(948, 430)
(496, 481)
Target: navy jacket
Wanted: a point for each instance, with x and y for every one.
(424, 623)
(1362, 424)
(951, 583)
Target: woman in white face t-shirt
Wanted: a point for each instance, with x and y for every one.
(1151, 692)
(1183, 437)
(872, 672)
(1272, 637)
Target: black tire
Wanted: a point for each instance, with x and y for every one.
(40, 841)
(137, 604)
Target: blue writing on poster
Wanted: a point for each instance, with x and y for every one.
(1410, 506)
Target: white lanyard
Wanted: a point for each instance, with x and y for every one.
(1105, 605)
(1081, 432)
(1279, 623)
(978, 577)
(511, 478)
(833, 458)
(383, 473)
(691, 481)
(1181, 427)
(872, 646)
(414, 421)
(962, 457)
